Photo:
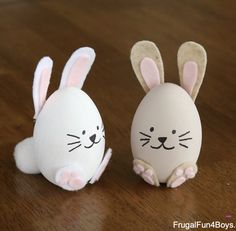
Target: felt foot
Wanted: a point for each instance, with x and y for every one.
(182, 173)
(70, 178)
(101, 167)
(145, 171)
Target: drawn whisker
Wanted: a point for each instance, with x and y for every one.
(184, 134)
(77, 142)
(146, 143)
(185, 139)
(74, 148)
(73, 136)
(144, 139)
(144, 134)
(183, 145)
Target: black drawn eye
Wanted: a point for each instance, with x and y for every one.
(97, 127)
(151, 129)
(83, 132)
(173, 131)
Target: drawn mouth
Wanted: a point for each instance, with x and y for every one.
(162, 145)
(93, 144)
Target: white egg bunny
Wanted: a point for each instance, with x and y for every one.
(166, 132)
(68, 141)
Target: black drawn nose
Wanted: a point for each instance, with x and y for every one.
(162, 139)
(92, 138)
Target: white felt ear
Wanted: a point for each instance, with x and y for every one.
(41, 81)
(192, 61)
(77, 68)
(147, 64)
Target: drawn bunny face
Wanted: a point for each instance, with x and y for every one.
(69, 138)
(157, 141)
(176, 132)
(87, 139)
(166, 129)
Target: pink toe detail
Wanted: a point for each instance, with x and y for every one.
(62, 177)
(148, 179)
(189, 172)
(138, 168)
(70, 178)
(179, 172)
(75, 174)
(149, 172)
(178, 182)
(76, 183)
(147, 176)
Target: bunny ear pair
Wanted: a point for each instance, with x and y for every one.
(74, 74)
(148, 66)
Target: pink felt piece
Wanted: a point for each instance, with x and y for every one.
(148, 179)
(44, 82)
(190, 72)
(148, 176)
(138, 168)
(78, 71)
(101, 167)
(41, 82)
(150, 72)
(64, 177)
(76, 183)
(70, 178)
(179, 172)
(189, 172)
(77, 68)
(178, 182)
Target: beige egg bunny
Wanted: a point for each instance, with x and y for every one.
(166, 132)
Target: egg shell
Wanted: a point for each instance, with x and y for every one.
(68, 111)
(168, 109)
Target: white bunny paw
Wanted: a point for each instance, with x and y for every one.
(101, 167)
(70, 178)
(181, 174)
(145, 171)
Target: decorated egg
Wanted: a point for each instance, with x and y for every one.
(68, 142)
(166, 131)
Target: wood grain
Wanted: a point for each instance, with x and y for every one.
(120, 200)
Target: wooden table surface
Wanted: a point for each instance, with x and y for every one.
(120, 200)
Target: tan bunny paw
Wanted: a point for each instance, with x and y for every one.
(182, 173)
(145, 171)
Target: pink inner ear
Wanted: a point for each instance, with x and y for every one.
(150, 72)
(43, 88)
(78, 71)
(190, 72)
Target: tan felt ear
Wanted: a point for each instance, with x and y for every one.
(192, 61)
(147, 64)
